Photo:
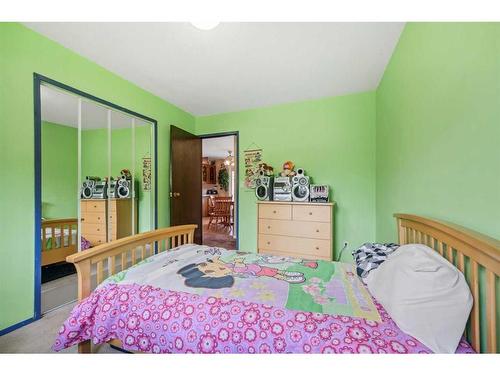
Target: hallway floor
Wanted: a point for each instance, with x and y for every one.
(217, 235)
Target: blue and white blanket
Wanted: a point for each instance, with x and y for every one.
(371, 255)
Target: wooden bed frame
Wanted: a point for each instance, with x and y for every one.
(476, 255)
(121, 254)
(59, 253)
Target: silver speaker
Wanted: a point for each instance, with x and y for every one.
(124, 188)
(88, 187)
(264, 188)
(300, 186)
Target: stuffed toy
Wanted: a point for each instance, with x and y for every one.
(126, 173)
(288, 171)
(266, 169)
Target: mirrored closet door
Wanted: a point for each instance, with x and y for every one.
(97, 182)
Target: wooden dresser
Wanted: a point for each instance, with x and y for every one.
(103, 222)
(299, 229)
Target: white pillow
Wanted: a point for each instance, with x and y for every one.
(425, 295)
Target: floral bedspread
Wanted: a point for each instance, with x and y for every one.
(280, 281)
(150, 319)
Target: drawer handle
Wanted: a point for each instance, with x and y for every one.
(269, 243)
(82, 219)
(98, 230)
(317, 230)
(268, 227)
(274, 211)
(317, 247)
(310, 213)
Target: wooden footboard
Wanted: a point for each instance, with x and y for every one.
(116, 256)
(59, 249)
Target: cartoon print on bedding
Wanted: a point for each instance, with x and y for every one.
(292, 283)
(216, 274)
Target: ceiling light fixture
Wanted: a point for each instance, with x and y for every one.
(229, 161)
(205, 25)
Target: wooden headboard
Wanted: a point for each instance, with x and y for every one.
(477, 256)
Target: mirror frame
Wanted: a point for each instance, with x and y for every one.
(38, 80)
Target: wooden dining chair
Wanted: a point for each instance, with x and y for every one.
(221, 211)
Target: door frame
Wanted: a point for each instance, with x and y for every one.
(38, 80)
(237, 185)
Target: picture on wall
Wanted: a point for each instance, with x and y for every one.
(146, 174)
(252, 160)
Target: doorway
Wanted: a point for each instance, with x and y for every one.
(204, 182)
(220, 190)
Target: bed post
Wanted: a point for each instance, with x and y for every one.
(84, 289)
(401, 232)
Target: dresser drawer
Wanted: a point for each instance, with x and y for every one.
(95, 206)
(294, 255)
(311, 213)
(93, 229)
(302, 229)
(295, 246)
(95, 239)
(93, 217)
(275, 211)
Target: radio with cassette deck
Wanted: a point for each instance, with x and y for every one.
(100, 190)
(282, 189)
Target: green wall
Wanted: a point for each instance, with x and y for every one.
(59, 171)
(438, 129)
(23, 52)
(333, 139)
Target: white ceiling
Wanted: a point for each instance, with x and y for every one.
(217, 148)
(236, 66)
(61, 107)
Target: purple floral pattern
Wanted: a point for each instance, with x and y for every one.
(149, 319)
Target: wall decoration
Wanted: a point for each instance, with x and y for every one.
(253, 157)
(146, 174)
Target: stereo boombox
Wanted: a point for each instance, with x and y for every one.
(95, 188)
(297, 188)
(264, 187)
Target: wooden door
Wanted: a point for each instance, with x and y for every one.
(185, 179)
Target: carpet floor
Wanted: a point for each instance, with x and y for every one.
(39, 336)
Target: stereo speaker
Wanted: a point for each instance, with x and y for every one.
(124, 188)
(88, 187)
(300, 186)
(264, 188)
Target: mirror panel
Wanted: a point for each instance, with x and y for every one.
(122, 203)
(95, 164)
